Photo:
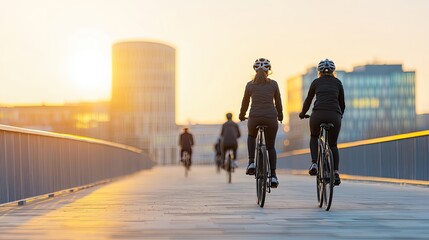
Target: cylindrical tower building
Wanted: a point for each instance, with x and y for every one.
(143, 98)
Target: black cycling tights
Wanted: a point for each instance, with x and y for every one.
(270, 138)
(318, 117)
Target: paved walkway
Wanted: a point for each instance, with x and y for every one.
(162, 204)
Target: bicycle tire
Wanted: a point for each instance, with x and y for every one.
(263, 176)
(319, 181)
(329, 184)
(186, 162)
(259, 178)
(229, 170)
(257, 173)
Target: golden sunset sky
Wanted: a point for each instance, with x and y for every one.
(57, 51)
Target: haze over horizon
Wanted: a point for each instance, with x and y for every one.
(60, 51)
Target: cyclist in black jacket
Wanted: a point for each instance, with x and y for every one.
(263, 111)
(186, 141)
(328, 108)
(229, 134)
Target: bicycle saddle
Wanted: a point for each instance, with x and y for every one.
(261, 126)
(327, 126)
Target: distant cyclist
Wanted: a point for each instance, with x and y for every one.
(328, 108)
(229, 135)
(266, 109)
(186, 141)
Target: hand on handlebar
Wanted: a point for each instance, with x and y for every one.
(242, 118)
(303, 115)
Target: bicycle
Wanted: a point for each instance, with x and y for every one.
(229, 168)
(186, 162)
(325, 173)
(262, 167)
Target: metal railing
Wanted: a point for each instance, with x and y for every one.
(34, 163)
(404, 156)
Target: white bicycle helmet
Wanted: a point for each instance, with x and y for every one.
(326, 66)
(262, 63)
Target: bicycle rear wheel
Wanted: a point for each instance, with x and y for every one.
(262, 176)
(187, 162)
(329, 179)
(258, 173)
(229, 168)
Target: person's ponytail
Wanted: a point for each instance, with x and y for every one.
(261, 77)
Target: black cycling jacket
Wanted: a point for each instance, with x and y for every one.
(230, 132)
(186, 140)
(329, 93)
(262, 95)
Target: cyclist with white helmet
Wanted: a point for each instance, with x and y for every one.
(328, 107)
(266, 109)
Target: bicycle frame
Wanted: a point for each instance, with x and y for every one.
(260, 142)
(260, 139)
(323, 140)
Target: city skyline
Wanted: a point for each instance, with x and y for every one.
(60, 51)
(381, 102)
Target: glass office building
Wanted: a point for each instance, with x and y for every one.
(143, 98)
(380, 101)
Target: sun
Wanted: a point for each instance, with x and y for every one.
(89, 65)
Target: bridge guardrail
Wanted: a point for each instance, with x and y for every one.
(404, 156)
(34, 163)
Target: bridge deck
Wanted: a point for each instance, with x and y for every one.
(162, 203)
